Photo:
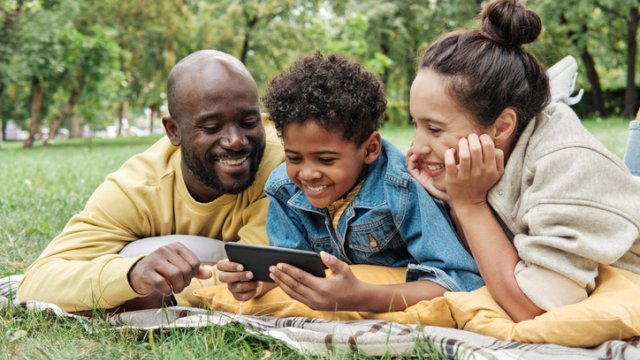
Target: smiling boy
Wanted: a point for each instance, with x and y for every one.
(345, 193)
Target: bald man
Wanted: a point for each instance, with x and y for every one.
(148, 235)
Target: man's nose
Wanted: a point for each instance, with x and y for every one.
(233, 138)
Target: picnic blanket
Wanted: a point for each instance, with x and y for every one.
(318, 337)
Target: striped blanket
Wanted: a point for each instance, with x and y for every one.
(370, 337)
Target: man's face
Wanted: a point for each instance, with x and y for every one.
(222, 136)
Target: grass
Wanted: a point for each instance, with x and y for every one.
(41, 188)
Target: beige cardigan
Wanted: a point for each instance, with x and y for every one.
(569, 205)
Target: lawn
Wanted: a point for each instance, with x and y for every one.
(41, 188)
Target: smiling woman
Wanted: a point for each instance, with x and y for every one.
(522, 178)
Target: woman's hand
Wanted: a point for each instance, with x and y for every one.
(415, 166)
(335, 292)
(479, 167)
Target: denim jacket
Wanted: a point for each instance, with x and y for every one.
(392, 221)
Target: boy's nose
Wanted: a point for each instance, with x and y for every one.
(308, 173)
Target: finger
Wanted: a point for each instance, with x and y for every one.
(488, 149)
(243, 287)
(293, 278)
(158, 282)
(230, 266)
(500, 161)
(172, 275)
(464, 158)
(475, 152)
(232, 277)
(334, 264)
(188, 258)
(292, 292)
(203, 273)
(451, 170)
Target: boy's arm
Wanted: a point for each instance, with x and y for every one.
(342, 291)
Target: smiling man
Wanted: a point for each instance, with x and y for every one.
(147, 232)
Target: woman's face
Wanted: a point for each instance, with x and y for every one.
(440, 123)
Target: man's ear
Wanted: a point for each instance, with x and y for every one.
(372, 147)
(504, 128)
(172, 130)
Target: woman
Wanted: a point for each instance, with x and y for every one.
(539, 202)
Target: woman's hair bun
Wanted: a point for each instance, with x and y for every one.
(510, 22)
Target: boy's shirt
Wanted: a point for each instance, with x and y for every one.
(392, 221)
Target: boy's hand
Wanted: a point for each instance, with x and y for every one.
(480, 166)
(239, 281)
(335, 292)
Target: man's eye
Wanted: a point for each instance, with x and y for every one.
(250, 124)
(210, 129)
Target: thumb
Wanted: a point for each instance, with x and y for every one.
(334, 264)
(203, 273)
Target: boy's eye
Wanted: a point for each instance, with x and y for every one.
(327, 161)
(293, 159)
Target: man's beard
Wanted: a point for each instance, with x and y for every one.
(206, 174)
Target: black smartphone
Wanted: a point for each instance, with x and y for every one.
(258, 259)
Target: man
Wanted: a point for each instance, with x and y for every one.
(204, 179)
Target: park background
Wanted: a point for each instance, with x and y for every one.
(93, 73)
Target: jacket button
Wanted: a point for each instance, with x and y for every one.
(372, 241)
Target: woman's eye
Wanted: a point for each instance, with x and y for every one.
(434, 130)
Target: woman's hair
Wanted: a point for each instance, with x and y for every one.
(336, 93)
(487, 70)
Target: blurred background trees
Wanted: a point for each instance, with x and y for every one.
(85, 66)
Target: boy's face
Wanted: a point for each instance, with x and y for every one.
(322, 163)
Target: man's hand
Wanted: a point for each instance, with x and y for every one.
(336, 292)
(167, 270)
(239, 281)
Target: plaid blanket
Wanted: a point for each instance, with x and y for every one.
(370, 337)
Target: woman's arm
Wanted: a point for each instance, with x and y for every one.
(479, 167)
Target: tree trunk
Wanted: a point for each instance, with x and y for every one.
(75, 127)
(62, 115)
(122, 113)
(152, 115)
(3, 124)
(246, 41)
(36, 107)
(594, 79)
(631, 93)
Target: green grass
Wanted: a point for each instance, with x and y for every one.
(41, 188)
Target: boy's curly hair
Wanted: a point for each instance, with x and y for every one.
(337, 93)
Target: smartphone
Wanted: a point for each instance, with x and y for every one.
(258, 259)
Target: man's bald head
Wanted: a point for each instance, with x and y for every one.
(211, 66)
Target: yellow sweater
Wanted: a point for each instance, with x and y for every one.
(147, 196)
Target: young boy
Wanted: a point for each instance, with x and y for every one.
(345, 193)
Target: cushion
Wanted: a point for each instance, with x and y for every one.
(277, 303)
(612, 311)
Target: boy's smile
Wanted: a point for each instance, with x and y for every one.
(321, 162)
